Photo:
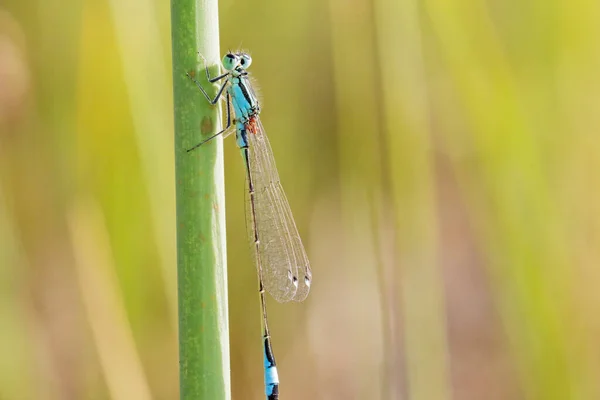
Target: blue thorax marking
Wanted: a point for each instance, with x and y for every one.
(245, 105)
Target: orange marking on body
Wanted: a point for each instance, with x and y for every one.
(252, 125)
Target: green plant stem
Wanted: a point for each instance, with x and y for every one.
(201, 254)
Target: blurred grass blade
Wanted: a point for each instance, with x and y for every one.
(361, 197)
(520, 224)
(104, 306)
(406, 121)
(16, 367)
(147, 81)
(201, 252)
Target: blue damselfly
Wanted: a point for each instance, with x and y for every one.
(281, 262)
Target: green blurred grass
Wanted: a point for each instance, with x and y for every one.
(440, 160)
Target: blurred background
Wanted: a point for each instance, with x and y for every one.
(440, 158)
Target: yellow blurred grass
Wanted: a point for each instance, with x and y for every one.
(388, 103)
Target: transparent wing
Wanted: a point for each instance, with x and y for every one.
(285, 268)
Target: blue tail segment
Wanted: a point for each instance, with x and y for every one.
(271, 377)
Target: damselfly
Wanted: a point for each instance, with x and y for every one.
(281, 262)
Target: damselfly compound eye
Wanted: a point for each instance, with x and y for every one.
(230, 61)
(245, 60)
